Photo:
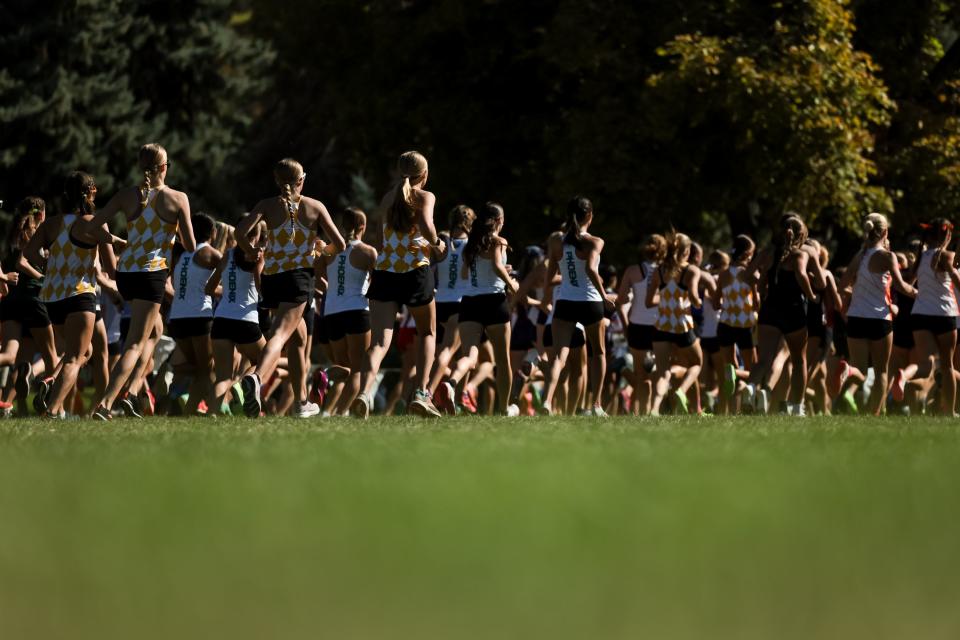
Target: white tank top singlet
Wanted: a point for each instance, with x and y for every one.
(711, 318)
(240, 296)
(935, 294)
(482, 280)
(346, 285)
(871, 292)
(574, 283)
(640, 313)
(450, 285)
(189, 281)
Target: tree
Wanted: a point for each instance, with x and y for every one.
(91, 80)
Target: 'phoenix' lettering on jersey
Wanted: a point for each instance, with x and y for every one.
(341, 273)
(232, 282)
(572, 269)
(182, 293)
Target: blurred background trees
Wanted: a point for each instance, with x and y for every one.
(714, 116)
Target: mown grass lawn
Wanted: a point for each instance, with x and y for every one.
(481, 528)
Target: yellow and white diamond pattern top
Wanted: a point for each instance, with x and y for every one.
(673, 312)
(149, 240)
(738, 308)
(290, 246)
(403, 252)
(70, 269)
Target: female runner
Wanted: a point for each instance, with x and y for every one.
(738, 317)
(484, 308)
(934, 313)
(642, 319)
(293, 222)
(155, 215)
(403, 277)
(346, 310)
(191, 314)
(579, 298)
(673, 291)
(69, 288)
(783, 316)
(26, 326)
(450, 289)
(869, 318)
(236, 325)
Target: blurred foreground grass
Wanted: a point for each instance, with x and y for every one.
(480, 528)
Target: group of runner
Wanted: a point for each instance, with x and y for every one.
(292, 296)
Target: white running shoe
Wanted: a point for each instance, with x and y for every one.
(360, 408)
(307, 410)
(598, 412)
(748, 403)
(513, 411)
(444, 399)
(763, 401)
(422, 405)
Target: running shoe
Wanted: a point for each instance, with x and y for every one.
(151, 408)
(40, 399)
(6, 409)
(598, 412)
(763, 401)
(55, 416)
(847, 403)
(544, 409)
(729, 383)
(236, 399)
(513, 411)
(839, 377)
(444, 399)
(130, 406)
(898, 386)
(321, 382)
(360, 408)
(306, 410)
(680, 402)
(101, 413)
(468, 402)
(422, 405)
(251, 395)
(24, 378)
(748, 400)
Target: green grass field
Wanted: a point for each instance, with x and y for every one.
(481, 528)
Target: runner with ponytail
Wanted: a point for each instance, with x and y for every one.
(579, 298)
(403, 277)
(155, 215)
(293, 222)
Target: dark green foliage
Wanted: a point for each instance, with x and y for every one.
(85, 83)
(710, 115)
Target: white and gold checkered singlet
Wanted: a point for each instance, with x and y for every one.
(738, 310)
(674, 314)
(149, 240)
(290, 246)
(70, 268)
(403, 252)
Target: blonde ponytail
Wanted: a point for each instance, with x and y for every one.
(874, 226)
(145, 189)
(412, 167)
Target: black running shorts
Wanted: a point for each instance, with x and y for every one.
(291, 287)
(236, 331)
(413, 288)
(60, 309)
(868, 328)
(486, 310)
(142, 285)
(185, 328)
(346, 323)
